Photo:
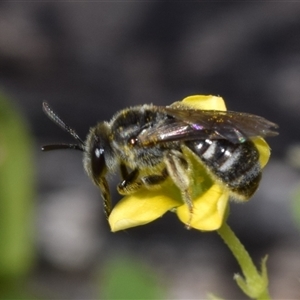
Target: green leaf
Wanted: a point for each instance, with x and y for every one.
(16, 193)
(125, 278)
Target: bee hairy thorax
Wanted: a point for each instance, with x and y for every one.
(235, 165)
(126, 125)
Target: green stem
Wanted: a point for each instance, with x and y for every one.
(255, 284)
(264, 296)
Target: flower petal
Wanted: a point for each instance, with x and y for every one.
(263, 149)
(143, 207)
(208, 211)
(205, 102)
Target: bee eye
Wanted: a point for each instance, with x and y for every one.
(98, 161)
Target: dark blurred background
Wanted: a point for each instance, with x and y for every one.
(90, 59)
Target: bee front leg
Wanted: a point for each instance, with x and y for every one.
(151, 181)
(177, 168)
(124, 171)
(130, 184)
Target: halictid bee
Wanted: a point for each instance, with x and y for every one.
(145, 142)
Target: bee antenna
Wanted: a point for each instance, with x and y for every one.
(62, 146)
(57, 120)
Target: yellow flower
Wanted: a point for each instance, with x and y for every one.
(210, 199)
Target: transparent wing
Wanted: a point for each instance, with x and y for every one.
(188, 124)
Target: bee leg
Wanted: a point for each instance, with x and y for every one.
(177, 168)
(156, 179)
(124, 171)
(130, 183)
(103, 185)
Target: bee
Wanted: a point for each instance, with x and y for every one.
(146, 144)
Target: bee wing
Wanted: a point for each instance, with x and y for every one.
(224, 121)
(191, 124)
(172, 130)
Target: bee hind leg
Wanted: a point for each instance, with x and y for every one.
(177, 168)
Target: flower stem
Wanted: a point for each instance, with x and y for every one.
(254, 284)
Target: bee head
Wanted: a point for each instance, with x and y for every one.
(98, 156)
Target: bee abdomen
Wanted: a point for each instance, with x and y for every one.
(235, 165)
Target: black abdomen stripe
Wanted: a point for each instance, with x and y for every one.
(236, 165)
